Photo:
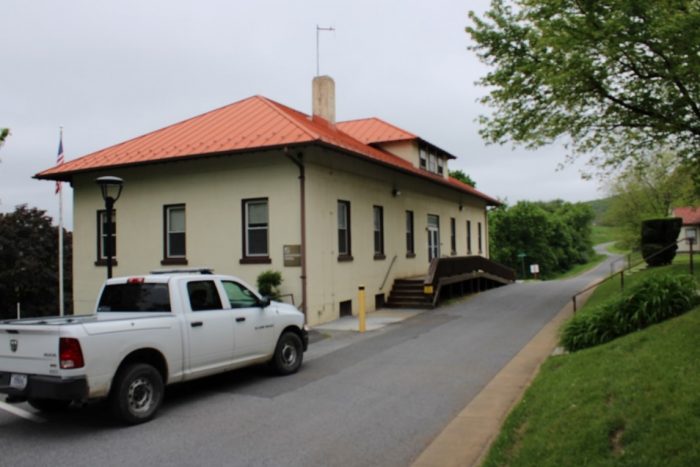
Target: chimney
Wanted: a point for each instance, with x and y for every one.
(323, 96)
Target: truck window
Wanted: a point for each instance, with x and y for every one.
(239, 296)
(135, 297)
(203, 296)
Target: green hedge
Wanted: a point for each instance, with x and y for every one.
(651, 301)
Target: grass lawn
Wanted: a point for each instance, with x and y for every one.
(632, 402)
(604, 234)
(578, 269)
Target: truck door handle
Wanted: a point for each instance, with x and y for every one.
(196, 324)
(240, 320)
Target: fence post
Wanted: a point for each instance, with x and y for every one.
(692, 269)
(622, 280)
(574, 299)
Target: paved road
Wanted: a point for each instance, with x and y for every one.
(360, 400)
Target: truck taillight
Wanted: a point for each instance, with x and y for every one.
(70, 353)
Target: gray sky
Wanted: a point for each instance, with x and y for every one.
(109, 71)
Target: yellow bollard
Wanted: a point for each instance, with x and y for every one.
(362, 312)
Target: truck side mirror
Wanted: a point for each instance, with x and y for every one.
(264, 302)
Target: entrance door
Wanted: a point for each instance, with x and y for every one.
(433, 237)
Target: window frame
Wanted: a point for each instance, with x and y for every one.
(469, 237)
(480, 239)
(453, 236)
(169, 258)
(101, 259)
(410, 235)
(255, 258)
(378, 233)
(347, 255)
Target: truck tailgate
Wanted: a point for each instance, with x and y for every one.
(29, 349)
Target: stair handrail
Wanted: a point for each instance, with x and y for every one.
(455, 265)
(393, 260)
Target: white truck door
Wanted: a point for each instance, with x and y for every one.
(210, 328)
(253, 325)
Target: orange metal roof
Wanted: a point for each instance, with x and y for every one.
(252, 123)
(374, 130)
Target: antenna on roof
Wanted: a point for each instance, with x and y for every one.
(318, 31)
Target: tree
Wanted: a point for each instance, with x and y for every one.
(556, 235)
(648, 190)
(462, 177)
(617, 76)
(29, 264)
(4, 133)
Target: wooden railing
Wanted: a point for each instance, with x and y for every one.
(457, 265)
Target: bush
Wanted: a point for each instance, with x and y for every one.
(659, 238)
(651, 301)
(269, 282)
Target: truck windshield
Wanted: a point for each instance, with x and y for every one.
(135, 297)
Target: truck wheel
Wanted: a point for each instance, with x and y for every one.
(288, 354)
(49, 405)
(137, 393)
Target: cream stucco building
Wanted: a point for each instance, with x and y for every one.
(256, 185)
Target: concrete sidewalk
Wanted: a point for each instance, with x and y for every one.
(375, 320)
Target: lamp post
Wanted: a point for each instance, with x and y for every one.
(111, 189)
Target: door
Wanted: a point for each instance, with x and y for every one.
(210, 328)
(433, 237)
(254, 330)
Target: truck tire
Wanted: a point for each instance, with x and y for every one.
(137, 393)
(289, 354)
(49, 405)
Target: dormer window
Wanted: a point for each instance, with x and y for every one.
(441, 166)
(423, 159)
(432, 162)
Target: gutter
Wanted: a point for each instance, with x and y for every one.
(298, 161)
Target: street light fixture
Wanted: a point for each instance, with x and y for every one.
(111, 189)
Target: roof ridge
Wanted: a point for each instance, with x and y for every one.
(285, 111)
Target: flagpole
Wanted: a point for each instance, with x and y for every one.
(60, 241)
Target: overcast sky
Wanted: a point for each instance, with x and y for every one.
(109, 71)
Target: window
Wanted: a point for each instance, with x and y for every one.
(479, 234)
(469, 237)
(453, 236)
(102, 237)
(433, 237)
(423, 159)
(410, 243)
(441, 166)
(135, 297)
(432, 162)
(239, 296)
(378, 232)
(174, 234)
(344, 245)
(255, 231)
(203, 296)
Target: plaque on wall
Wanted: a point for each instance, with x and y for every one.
(292, 255)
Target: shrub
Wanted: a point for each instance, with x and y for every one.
(269, 282)
(654, 299)
(659, 240)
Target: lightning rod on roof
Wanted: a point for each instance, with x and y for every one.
(318, 31)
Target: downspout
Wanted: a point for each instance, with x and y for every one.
(298, 161)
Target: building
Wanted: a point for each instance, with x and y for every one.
(256, 185)
(690, 227)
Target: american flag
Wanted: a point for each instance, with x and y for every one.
(59, 160)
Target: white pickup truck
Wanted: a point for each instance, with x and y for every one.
(147, 332)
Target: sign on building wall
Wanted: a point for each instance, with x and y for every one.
(292, 255)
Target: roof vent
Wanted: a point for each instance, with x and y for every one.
(323, 96)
